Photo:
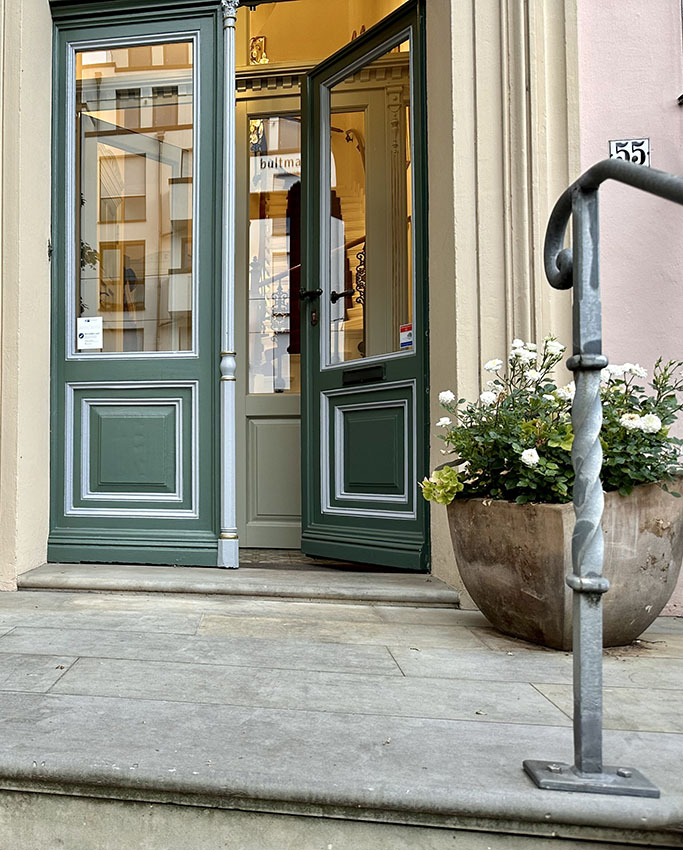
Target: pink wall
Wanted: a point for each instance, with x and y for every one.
(630, 77)
(631, 74)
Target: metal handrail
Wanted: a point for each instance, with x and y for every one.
(579, 268)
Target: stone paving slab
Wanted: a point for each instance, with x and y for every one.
(245, 652)
(280, 719)
(651, 645)
(37, 673)
(534, 665)
(44, 601)
(453, 637)
(516, 702)
(644, 709)
(316, 583)
(433, 768)
(120, 621)
(430, 616)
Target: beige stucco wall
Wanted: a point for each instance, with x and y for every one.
(503, 143)
(25, 57)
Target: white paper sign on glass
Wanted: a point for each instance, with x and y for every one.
(89, 333)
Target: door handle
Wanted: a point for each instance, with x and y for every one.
(305, 294)
(335, 296)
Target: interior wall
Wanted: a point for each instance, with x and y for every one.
(25, 65)
(311, 30)
(503, 143)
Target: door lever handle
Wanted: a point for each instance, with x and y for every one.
(335, 296)
(309, 293)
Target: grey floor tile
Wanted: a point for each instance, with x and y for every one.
(653, 644)
(186, 624)
(634, 709)
(557, 667)
(494, 639)
(453, 637)
(178, 603)
(665, 625)
(429, 616)
(34, 673)
(484, 665)
(307, 691)
(201, 650)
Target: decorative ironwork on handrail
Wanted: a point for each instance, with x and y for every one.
(579, 268)
(557, 259)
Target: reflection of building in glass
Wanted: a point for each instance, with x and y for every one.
(134, 123)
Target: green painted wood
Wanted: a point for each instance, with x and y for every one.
(351, 528)
(373, 442)
(132, 448)
(147, 469)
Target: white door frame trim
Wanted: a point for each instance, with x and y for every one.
(228, 544)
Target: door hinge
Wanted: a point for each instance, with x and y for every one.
(49, 250)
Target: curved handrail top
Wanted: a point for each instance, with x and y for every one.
(557, 259)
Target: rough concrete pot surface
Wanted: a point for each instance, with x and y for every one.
(513, 560)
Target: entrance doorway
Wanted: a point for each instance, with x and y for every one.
(331, 306)
(319, 394)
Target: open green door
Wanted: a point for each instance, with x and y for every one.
(363, 305)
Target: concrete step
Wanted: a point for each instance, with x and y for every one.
(33, 821)
(139, 719)
(285, 579)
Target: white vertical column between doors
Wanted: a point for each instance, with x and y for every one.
(228, 546)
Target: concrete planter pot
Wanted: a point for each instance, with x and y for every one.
(513, 560)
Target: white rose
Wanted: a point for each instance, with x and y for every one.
(650, 423)
(518, 343)
(567, 392)
(493, 365)
(615, 371)
(446, 397)
(530, 457)
(530, 346)
(524, 355)
(552, 346)
(488, 398)
(549, 397)
(444, 422)
(630, 421)
(533, 375)
(637, 370)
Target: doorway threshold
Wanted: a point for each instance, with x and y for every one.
(283, 577)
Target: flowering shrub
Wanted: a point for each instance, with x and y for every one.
(515, 442)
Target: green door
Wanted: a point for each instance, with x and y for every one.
(363, 308)
(135, 285)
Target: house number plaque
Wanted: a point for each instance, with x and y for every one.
(630, 150)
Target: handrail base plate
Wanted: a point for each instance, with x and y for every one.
(558, 776)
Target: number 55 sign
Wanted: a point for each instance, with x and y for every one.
(631, 150)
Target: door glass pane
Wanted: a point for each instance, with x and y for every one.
(274, 254)
(369, 283)
(134, 152)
